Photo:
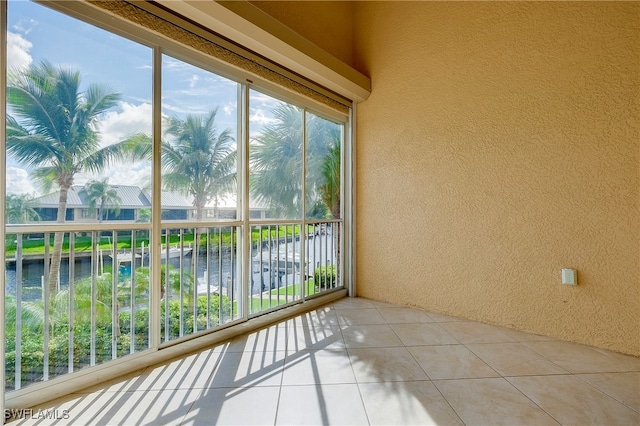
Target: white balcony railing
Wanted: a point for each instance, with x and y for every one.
(100, 306)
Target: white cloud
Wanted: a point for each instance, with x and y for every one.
(194, 80)
(18, 48)
(116, 126)
(18, 181)
(261, 119)
(136, 174)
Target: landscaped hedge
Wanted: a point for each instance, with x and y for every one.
(32, 339)
(325, 276)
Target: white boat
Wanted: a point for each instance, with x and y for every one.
(175, 252)
(204, 287)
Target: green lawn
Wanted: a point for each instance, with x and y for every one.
(259, 304)
(83, 243)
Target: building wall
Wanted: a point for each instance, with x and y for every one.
(328, 24)
(499, 145)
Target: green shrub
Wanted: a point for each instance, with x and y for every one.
(325, 276)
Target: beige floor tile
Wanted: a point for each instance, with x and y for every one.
(127, 382)
(491, 402)
(369, 336)
(451, 362)
(407, 403)
(444, 318)
(577, 358)
(148, 407)
(514, 359)
(227, 406)
(327, 366)
(352, 303)
(359, 317)
(521, 336)
(74, 409)
(423, 334)
(318, 367)
(624, 387)
(194, 371)
(245, 369)
(304, 338)
(272, 338)
(475, 332)
(379, 304)
(404, 315)
(572, 401)
(631, 363)
(321, 405)
(385, 365)
(322, 317)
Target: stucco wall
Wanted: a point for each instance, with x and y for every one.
(500, 144)
(328, 24)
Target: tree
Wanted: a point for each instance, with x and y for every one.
(53, 133)
(20, 208)
(100, 195)
(276, 164)
(330, 186)
(200, 161)
(144, 216)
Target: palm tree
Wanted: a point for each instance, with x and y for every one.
(20, 208)
(55, 134)
(200, 161)
(99, 194)
(277, 167)
(330, 187)
(276, 163)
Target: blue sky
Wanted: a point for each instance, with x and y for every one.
(36, 33)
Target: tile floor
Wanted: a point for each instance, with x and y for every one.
(358, 361)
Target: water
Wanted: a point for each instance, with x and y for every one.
(33, 271)
(220, 273)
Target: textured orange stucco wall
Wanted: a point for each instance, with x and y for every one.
(327, 24)
(499, 145)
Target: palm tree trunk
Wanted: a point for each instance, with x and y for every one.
(56, 257)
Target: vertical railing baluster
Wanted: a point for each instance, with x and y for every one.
(261, 262)
(72, 278)
(166, 284)
(277, 265)
(286, 264)
(207, 276)
(315, 256)
(94, 282)
(220, 283)
(45, 299)
(18, 375)
(194, 285)
(181, 270)
(326, 255)
(132, 302)
(115, 269)
(231, 294)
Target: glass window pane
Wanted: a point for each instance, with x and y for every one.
(199, 154)
(79, 116)
(323, 167)
(199, 179)
(275, 158)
